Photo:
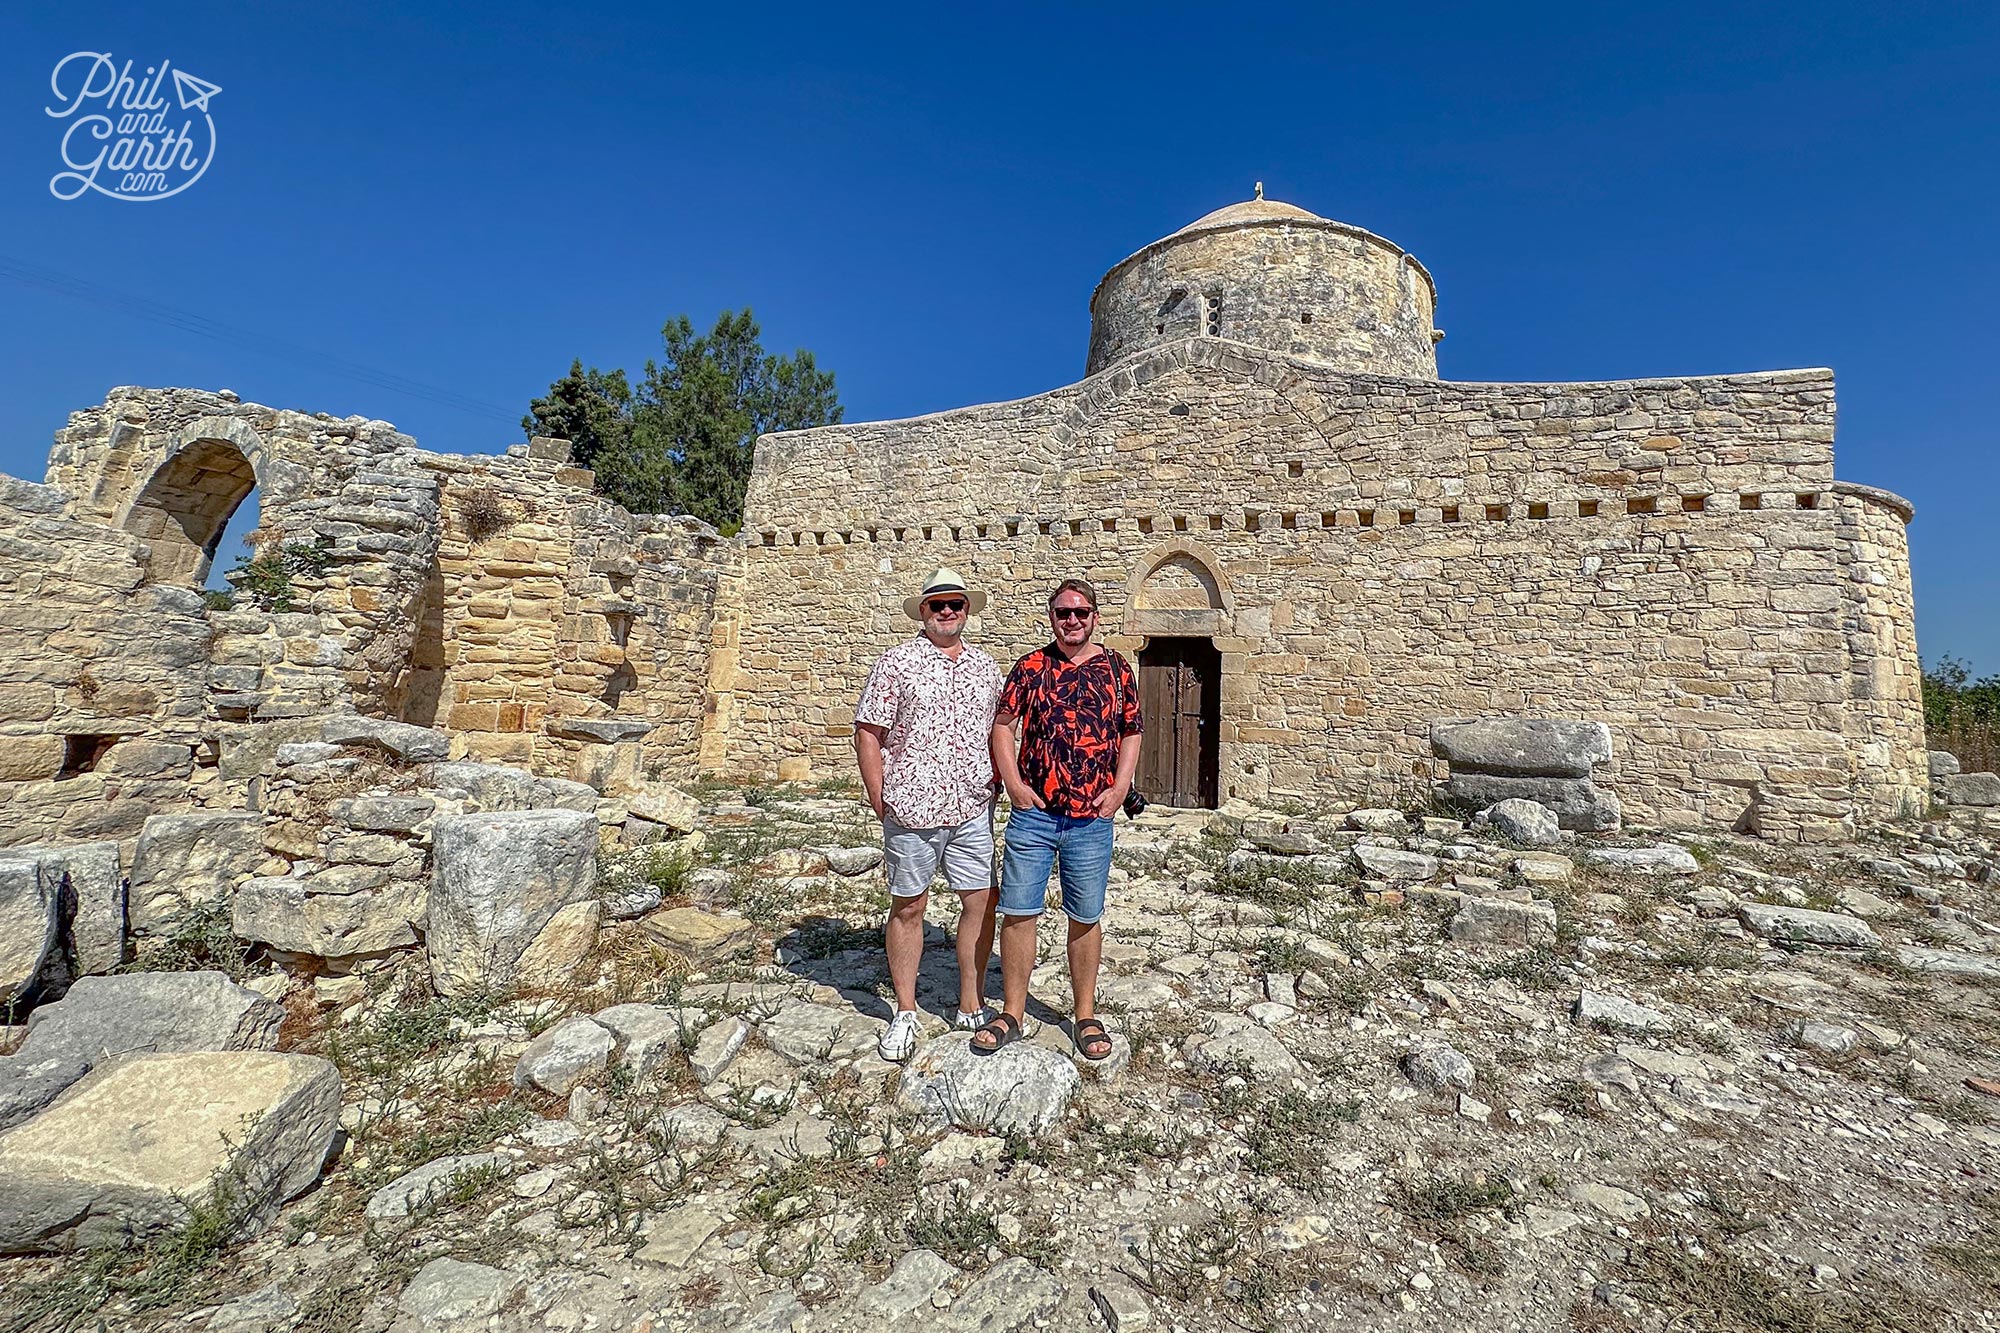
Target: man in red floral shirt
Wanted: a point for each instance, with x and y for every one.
(1077, 705)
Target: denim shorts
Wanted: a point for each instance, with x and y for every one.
(1078, 849)
(913, 856)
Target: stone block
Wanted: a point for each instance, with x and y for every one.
(1981, 790)
(702, 936)
(288, 914)
(31, 895)
(1577, 803)
(31, 758)
(1803, 925)
(1528, 747)
(188, 860)
(123, 1153)
(1504, 922)
(416, 745)
(497, 879)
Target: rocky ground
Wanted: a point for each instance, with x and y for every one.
(1373, 1070)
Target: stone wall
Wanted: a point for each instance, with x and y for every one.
(1370, 555)
(1302, 286)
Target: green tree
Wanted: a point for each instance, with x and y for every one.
(682, 441)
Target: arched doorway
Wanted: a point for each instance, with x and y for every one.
(1180, 693)
(1180, 607)
(185, 506)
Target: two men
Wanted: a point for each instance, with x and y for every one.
(932, 727)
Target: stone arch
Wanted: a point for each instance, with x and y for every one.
(1178, 589)
(181, 510)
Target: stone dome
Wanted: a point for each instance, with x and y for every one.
(1276, 276)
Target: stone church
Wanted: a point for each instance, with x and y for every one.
(1315, 550)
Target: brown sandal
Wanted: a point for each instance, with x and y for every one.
(1005, 1030)
(1090, 1032)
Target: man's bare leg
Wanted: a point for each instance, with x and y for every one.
(1086, 950)
(975, 947)
(1017, 962)
(904, 940)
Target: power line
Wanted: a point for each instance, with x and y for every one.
(63, 284)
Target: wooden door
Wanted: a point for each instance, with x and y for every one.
(1179, 693)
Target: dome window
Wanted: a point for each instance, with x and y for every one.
(1213, 321)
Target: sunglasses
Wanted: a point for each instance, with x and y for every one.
(951, 604)
(1073, 612)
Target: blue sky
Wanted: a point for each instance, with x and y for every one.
(471, 195)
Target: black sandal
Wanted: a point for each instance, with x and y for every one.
(1006, 1030)
(1089, 1032)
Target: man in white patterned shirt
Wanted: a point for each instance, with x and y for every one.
(923, 737)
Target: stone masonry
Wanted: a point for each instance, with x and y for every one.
(1261, 457)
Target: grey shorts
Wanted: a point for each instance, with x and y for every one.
(913, 856)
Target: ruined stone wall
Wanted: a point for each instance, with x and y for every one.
(550, 606)
(1317, 289)
(101, 678)
(1369, 555)
(1885, 682)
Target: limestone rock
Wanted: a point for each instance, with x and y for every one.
(1523, 823)
(716, 1047)
(411, 1191)
(118, 1157)
(416, 745)
(1234, 1042)
(264, 1310)
(704, 937)
(1942, 763)
(1665, 859)
(1803, 925)
(496, 787)
(1620, 1205)
(1543, 867)
(664, 805)
(90, 925)
(1555, 747)
(31, 890)
(812, 1033)
(190, 860)
(1577, 803)
(1950, 962)
(851, 861)
(673, 1238)
(1436, 1066)
(450, 1292)
(1827, 1038)
(497, 880)
(1379, 821)
(1011, 1295)
(1593, 1007)
(103, 1017)
(565, 1055)
(1393, 864)
(383, 814)
(286, 914)
(1981, 790)
(1504, 922)
(647, 1034)
(1022, 1088)
(916, 1277)
(561, 946)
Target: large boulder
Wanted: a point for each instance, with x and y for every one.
(1504, 922)
(131, 1149)
(1523, 823)
(1801, 925)
(1527, 747)
(1942, 763)
(31, 890)
(188, 861)
(497, 879)
(90, 909)
(1972, 789)
(1019, 1089)
(104, 1017)
(287, 913)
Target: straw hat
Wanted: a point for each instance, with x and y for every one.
(940, 583)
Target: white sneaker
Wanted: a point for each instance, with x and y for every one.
(899, 1040)
(973, 1022)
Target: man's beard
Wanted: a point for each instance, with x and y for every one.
(939, 631)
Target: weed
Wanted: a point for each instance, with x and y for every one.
(266, 579)
(1287, 1134)
(1575, 1098)
(484, 513)
(1714, 1291)
(1122, 1147)
(1538, 968)
(1449, 1198)
(200, 937)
